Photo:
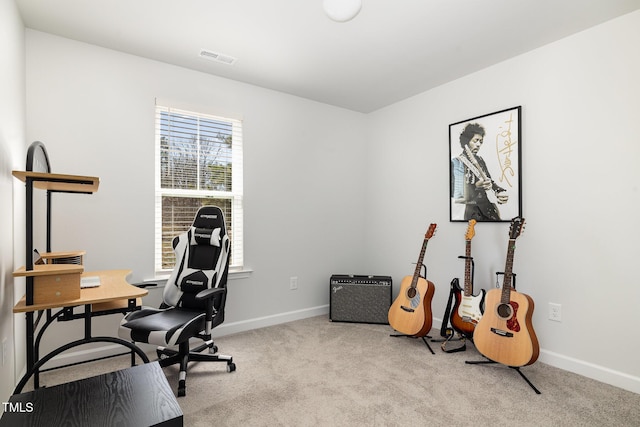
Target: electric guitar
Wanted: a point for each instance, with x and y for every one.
(505, 334)
(468, 308)
(410, 314)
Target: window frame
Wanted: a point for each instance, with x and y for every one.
(235, 195)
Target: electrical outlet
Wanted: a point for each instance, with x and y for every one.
(555, 312)
(293, 282)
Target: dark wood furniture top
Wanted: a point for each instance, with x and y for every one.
(138, 396)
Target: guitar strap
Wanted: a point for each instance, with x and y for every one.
(446, 331)
(470, 166)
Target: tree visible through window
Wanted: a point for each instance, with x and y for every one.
(199, 161)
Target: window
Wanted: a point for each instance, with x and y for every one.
(198, 163)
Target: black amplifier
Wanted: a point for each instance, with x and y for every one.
(364, 299)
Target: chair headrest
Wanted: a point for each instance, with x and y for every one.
(210, 217)
(205, 236)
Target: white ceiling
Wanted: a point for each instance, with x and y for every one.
(392, 50)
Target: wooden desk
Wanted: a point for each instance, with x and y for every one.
(138, 396)
(114, 291)
(114, 295)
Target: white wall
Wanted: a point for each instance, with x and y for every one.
(94, 110)
(12, 152)
(581, 154)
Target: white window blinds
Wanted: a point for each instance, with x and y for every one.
(198, 163)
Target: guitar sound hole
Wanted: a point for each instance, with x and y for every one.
(411, 292)
(504, 311)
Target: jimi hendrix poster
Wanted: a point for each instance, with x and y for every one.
(484, 167)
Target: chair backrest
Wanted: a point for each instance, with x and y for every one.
(202, 254)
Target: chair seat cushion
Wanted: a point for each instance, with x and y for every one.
(162, 327)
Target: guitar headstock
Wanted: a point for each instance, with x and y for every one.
(431, 231)
(470, 230)
(517, 226)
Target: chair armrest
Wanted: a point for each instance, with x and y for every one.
(209, 293)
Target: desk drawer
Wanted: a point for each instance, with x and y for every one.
(57, 287)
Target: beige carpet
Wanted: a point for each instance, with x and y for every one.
(314, 372)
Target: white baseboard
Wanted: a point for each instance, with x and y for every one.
(580, 367)
(276, 319)
(590, 370)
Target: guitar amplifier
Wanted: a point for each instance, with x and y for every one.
(363, 299)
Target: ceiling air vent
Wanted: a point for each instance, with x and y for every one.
(218, 57)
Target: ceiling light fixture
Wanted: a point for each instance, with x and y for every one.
(342, 10)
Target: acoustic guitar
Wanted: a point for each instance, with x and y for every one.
(505, 332)
(468, 308)
(410, 313)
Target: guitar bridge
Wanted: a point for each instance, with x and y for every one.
(410, 310)
(502, 333)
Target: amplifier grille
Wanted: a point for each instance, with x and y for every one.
(359, 298)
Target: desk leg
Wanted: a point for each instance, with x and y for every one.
(66, 347)
(34, 363)
(30, 349)
(87, 321)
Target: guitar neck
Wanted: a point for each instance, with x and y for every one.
(416, 273)
(506, 284)
(468, 287)
(475, 163)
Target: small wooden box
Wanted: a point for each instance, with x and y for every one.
(54, 282)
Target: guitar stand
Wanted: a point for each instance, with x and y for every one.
(444, 342)
(448, 333)
(424, 339)
(524, 377)
(449, 337)
(513, 276)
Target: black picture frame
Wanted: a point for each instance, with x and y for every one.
(499, 159)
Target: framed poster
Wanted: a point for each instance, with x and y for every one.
(484, 167)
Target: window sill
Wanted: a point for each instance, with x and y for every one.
(239, 274)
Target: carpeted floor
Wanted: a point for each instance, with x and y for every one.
(314, 372)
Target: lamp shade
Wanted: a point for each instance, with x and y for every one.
(342, 10)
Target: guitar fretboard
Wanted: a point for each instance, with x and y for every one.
(416, 273)
(508, 268)
(468, 290)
